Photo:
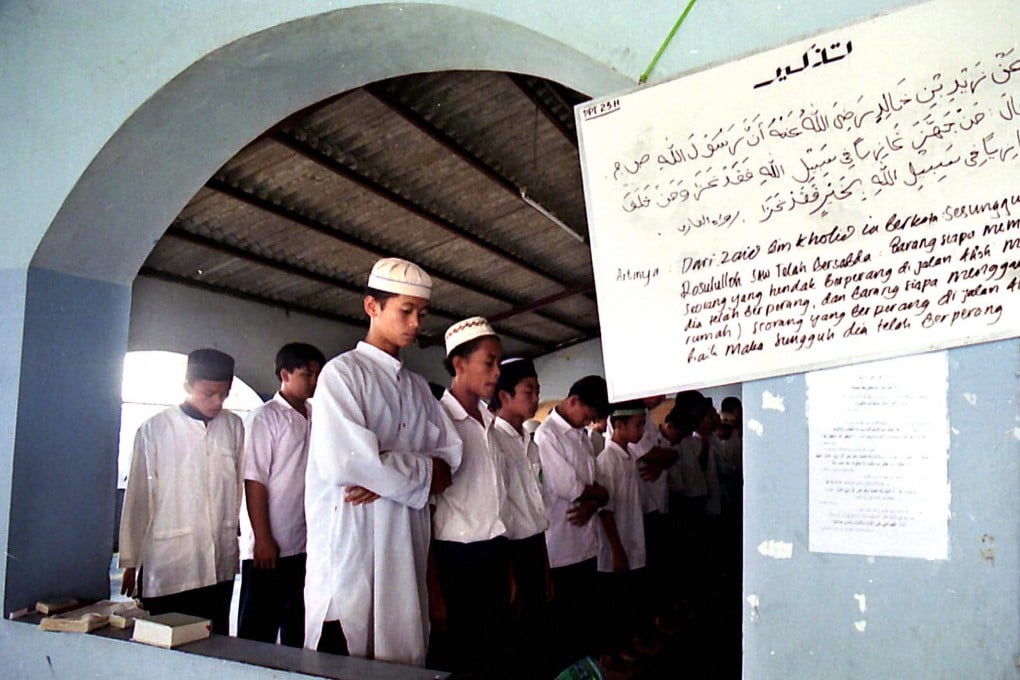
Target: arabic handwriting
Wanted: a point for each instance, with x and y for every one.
(807, 60)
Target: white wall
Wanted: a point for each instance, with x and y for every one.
(180, 318)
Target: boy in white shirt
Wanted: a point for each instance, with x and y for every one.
(380, 446)
(179, 525)
(469, 527)
(573, 495)
(653, 462)
(515, 402)
(273, 523)
(621, 524)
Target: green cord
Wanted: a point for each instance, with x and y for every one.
(665, 43)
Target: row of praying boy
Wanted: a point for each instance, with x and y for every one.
(416, 512)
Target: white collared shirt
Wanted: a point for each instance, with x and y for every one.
(378, 426)
(524, 510)
(275, 456)
(182, 501)
(654, 494)
(567, 467)
(615, 470)
(470, 510)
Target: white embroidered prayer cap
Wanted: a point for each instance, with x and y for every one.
(466, 331)
(394, 275)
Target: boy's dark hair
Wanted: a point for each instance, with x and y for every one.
(437, 390)
(381, 296)
(463, 350)
(591, 390)
(209, 364)
(295, 355)
(699, 410)
(681, 416)
(730, 405)
(632, 405)
(511, 372)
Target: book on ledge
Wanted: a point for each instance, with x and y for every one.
(171, 630)
(87, 619)
(125, 618)
(56, 606)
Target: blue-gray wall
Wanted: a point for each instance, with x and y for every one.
(68, 424)
(952, 619)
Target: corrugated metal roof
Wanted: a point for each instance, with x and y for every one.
(430, 167)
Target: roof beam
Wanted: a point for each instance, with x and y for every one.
(526, 84)
(398, 107)
(169, 277)
(291, 269)
(326, 161)
(301, 143)
(538, 304)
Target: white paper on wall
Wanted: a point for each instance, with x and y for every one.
(878, 441)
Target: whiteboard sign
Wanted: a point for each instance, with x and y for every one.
(853, 196)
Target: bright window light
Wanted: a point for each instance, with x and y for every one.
(154, 380)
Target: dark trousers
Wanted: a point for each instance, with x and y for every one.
(529, 634)
(657, 547)
(574, 612)
(625, 607)
(332, 640)
(272, 602)
(474, 578)
(211, 602)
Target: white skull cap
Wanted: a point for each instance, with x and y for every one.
(466, 331)
(394, 275)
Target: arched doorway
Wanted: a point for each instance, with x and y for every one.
(78, 285)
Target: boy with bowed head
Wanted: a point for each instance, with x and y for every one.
(573, 495)
(183, 497)
(469, 526)
(621, 530)
(380, 446)
(514, 402)
(272, 599)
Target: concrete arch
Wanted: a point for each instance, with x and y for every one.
(77, 291)
(165, 151)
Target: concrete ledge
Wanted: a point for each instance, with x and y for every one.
(109, 651)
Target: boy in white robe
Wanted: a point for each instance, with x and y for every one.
(179, 525)
(380, 445)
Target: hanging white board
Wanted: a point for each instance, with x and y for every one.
(850, 197)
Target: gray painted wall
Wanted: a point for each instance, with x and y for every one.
(179, 319)
(951, 619)
(68, 421)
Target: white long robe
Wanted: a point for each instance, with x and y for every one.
(378, 426)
